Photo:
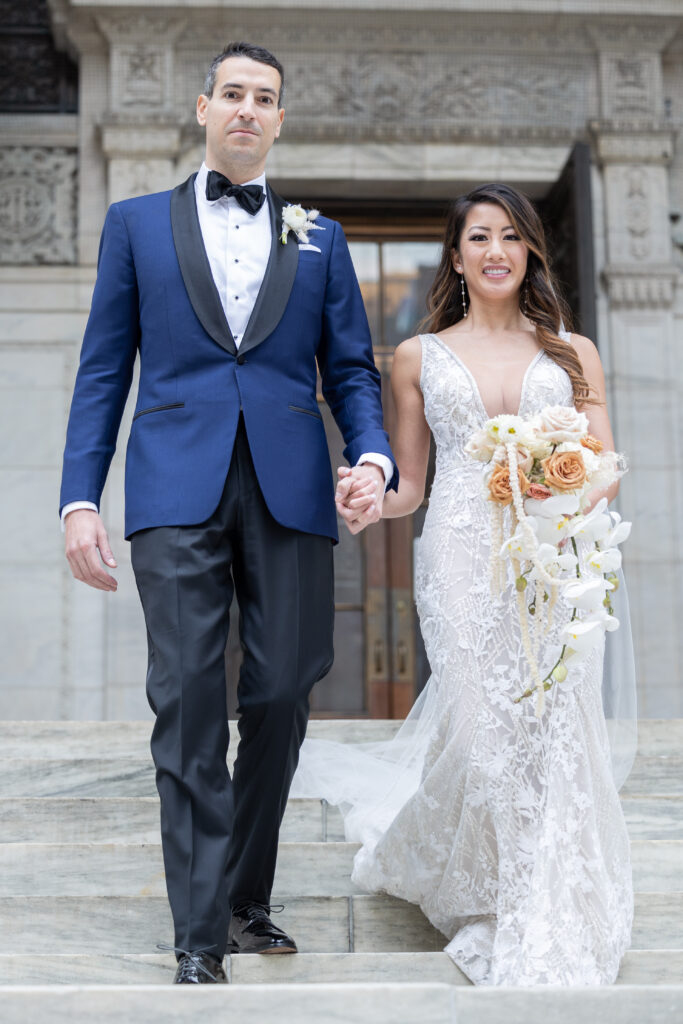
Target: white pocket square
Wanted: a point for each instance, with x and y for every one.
(307, 247)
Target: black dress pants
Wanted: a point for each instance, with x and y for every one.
(219, 835)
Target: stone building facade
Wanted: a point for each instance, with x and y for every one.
(387, 101)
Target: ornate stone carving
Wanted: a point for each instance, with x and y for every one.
(356, 95)
(37, 205)
(637, 212)
(647, 287)
(141, 60)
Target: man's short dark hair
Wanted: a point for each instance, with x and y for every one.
(253, 52)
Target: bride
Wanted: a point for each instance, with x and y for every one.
(505, 828)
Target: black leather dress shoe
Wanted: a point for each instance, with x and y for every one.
(252, 931)
(199, 969)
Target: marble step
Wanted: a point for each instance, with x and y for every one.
(39, 869)
(334, 924)
(639, 967)
(362, 1003)
(128, 777)
(52, 740)
(136, 820)
(304, 869)
(59, 740)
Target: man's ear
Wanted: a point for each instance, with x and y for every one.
(281, 117)
(202, 103)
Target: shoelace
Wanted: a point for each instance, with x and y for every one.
(258, 910)
(192, 957)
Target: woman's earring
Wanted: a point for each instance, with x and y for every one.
(464, 300)
(525, 296)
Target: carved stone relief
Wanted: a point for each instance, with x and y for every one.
(646, 288)
(37, 205)
(637, 212)
(422, 95)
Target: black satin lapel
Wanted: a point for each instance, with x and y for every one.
(277, 283)
(194, 265)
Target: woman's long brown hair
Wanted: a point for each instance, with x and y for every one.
(539, 298)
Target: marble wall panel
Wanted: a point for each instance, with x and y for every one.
(31, 615)
(29, 422)
(28, 516)
(128, 703)
(34, 368)
(24, 703)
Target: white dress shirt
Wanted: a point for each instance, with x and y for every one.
(238, 246)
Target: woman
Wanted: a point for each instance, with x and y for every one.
(504, 827)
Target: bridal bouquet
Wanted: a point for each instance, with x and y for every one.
(542, 469)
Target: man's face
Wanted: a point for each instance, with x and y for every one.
(241, 118)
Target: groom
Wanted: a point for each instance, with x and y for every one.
(228, 486)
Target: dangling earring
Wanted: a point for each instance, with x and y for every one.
(525, 296)
(464, 302)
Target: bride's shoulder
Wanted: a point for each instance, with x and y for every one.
(408, 359)
(586, 350)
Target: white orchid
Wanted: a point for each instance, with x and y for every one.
(592, 526)
(618, 533)
(600, 561)
(587, 594)
(582, 635)
(519, 545)
(553, 561)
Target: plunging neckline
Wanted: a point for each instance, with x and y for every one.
(475, 386)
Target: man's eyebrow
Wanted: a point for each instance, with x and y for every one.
(238, 85)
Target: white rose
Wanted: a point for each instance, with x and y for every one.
(294, 217)
(562, 423)
(480, 446)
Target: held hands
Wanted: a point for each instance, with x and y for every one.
(86, 544)
(360, 494)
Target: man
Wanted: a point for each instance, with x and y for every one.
(228, 485)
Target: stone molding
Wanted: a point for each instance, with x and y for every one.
(141, 64)
(37, 204)
(631, 287)
(129, 140)
(640, 141)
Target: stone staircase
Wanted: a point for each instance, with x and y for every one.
(82, 903)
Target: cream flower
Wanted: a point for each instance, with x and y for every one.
(480, 446)
(505, 429)
(562, 423)
(300, 221)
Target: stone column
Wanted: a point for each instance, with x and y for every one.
(634, 149)
(140, 133)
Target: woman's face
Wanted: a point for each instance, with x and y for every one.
(492, 257)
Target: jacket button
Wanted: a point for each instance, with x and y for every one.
(240, 360)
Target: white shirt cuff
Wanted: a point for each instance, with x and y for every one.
(384, 463)
(73, 505)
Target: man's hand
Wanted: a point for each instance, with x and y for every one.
(360, 494)
(86, 544)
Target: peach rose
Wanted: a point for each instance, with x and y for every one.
(565, 471)
(592, 443)
(499, 484)
(539, 491)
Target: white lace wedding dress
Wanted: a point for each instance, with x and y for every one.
(505, 829)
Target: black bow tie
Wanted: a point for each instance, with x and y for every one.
(250, 197)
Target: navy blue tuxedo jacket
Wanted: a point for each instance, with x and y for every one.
(155, 295)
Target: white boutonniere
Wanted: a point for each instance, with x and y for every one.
(300, 221)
